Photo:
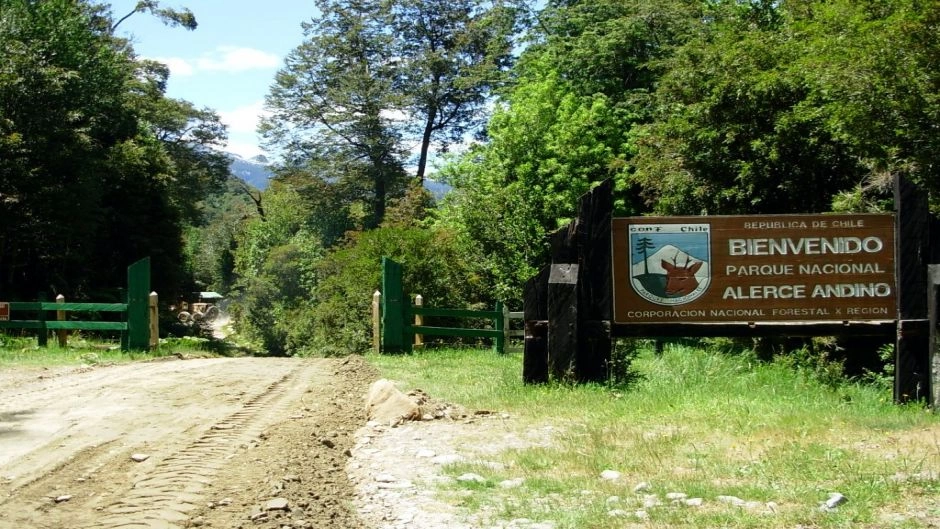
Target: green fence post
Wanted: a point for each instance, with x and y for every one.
(138, 305)
(393, 308)
(43, 333)
(499, 344)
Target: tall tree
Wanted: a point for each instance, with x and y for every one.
(331, 105)
(451, 55)
(91, 153)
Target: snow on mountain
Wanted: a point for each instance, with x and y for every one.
(670, 254)
(254, 171)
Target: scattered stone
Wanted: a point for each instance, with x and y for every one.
(617, 512)
(650, 501)
(610, 475)
(511, 483)
(140, 458)
(447, 459)
(733, 500)
(642, 486)
(835, 499)
(276, 504)
(612, 499)
(470, 477)
(63, 498)
(327, 442)
(643, 515)
(676, 496)
(693, 502)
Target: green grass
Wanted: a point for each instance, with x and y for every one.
(24, 351)
(700, 422)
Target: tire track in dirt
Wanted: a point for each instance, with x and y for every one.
(74, 437)
(174, 488)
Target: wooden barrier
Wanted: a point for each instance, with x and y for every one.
(397, 333)
(136, 329)
(803, 275)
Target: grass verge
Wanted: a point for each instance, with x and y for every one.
(761, 445)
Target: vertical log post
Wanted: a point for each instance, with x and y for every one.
(376, 322)
(419, 321)
(61, 334)
(563, 322)
(535, 318)
(154, 321)
(933, 310)
(595, 292)
(913, 336)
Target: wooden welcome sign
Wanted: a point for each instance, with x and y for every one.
(752, 275)
(753, 268)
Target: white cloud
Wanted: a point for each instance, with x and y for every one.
(178, 67)
(236, 59)
(230, 59)
(245, 149)
(244, 118)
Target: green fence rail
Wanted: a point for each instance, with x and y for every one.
(398, 332)
(135, 327)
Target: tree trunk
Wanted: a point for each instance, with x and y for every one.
(426, 144)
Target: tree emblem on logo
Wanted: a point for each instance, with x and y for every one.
(670, 262)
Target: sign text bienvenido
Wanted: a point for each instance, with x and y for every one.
(754, 268)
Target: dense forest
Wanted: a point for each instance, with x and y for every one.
(690, 106)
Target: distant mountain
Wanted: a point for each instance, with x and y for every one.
(437, 189)
(254, 171)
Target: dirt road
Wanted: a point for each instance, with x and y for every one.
(231, 442)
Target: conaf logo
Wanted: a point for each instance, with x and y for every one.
(670, 262)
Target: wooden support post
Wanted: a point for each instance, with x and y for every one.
(499, 323)
(419, 321)
(61, 334)
(376, 322)
(43, 333)
(138, 308)
(563, 322)
(933, 310)
(535, 316)
(506, 328)
(595, 288)
(913, 336)
(393, 309)
(154, 321)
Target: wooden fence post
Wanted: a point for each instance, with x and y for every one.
(419, 321)
(912, 346)
(499, 323)
(61, 334)
(138, 305)
(43, 336)
(376, 322)
(154, 321)
(535, 317)
(506, 327)
(933, 312)
(393, 308)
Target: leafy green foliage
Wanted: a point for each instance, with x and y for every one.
(432, 265)
(97, 167)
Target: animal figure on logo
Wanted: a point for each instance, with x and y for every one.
(680, 280)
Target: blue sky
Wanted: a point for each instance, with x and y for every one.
(228, 63)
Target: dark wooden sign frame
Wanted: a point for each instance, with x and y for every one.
(571, 320)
